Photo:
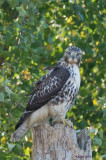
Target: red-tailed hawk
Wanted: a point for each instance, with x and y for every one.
(53, 94)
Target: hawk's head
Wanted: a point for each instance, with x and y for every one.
(73, 55)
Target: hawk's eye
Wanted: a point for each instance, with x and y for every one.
(78, 54)
(68, 52)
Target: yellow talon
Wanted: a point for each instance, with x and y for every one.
(65, 121)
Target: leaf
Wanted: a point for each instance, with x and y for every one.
(10, 146)
(15, 158)
(1, 97)
(81, 16)
(18, 149)
(25, 40)
(6, 82)
(103, 156)
(95, 102)
(27, 151)
(92, 130)
(3, 155)
(97, 141)
(3, 139)
(28, 144)
(78, 131)
(104, 113)
(8, 90)
(100, 133)
(22, 12)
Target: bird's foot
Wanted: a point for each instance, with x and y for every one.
(64, 121)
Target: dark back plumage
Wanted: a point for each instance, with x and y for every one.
(46, 88)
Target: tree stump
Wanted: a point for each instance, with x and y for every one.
(60, 143)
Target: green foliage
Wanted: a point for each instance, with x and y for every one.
(33, 35)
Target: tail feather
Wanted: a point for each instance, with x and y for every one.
(20, 132)
(23, 118)
(27, 121)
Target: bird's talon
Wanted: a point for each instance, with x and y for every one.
(65, 122)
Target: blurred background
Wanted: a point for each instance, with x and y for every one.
(34, 35)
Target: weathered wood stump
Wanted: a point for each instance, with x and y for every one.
(60, 143)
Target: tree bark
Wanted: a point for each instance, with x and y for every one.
(60, 143)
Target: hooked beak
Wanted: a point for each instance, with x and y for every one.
(72, 60)
(73, 57)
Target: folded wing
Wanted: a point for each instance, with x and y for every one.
(46, 88)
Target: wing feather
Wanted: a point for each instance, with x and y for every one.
(48, 87)
(45, 89)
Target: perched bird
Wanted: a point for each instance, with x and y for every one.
(53, 94)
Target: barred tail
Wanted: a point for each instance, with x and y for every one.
(20, 132)
(26, 122)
